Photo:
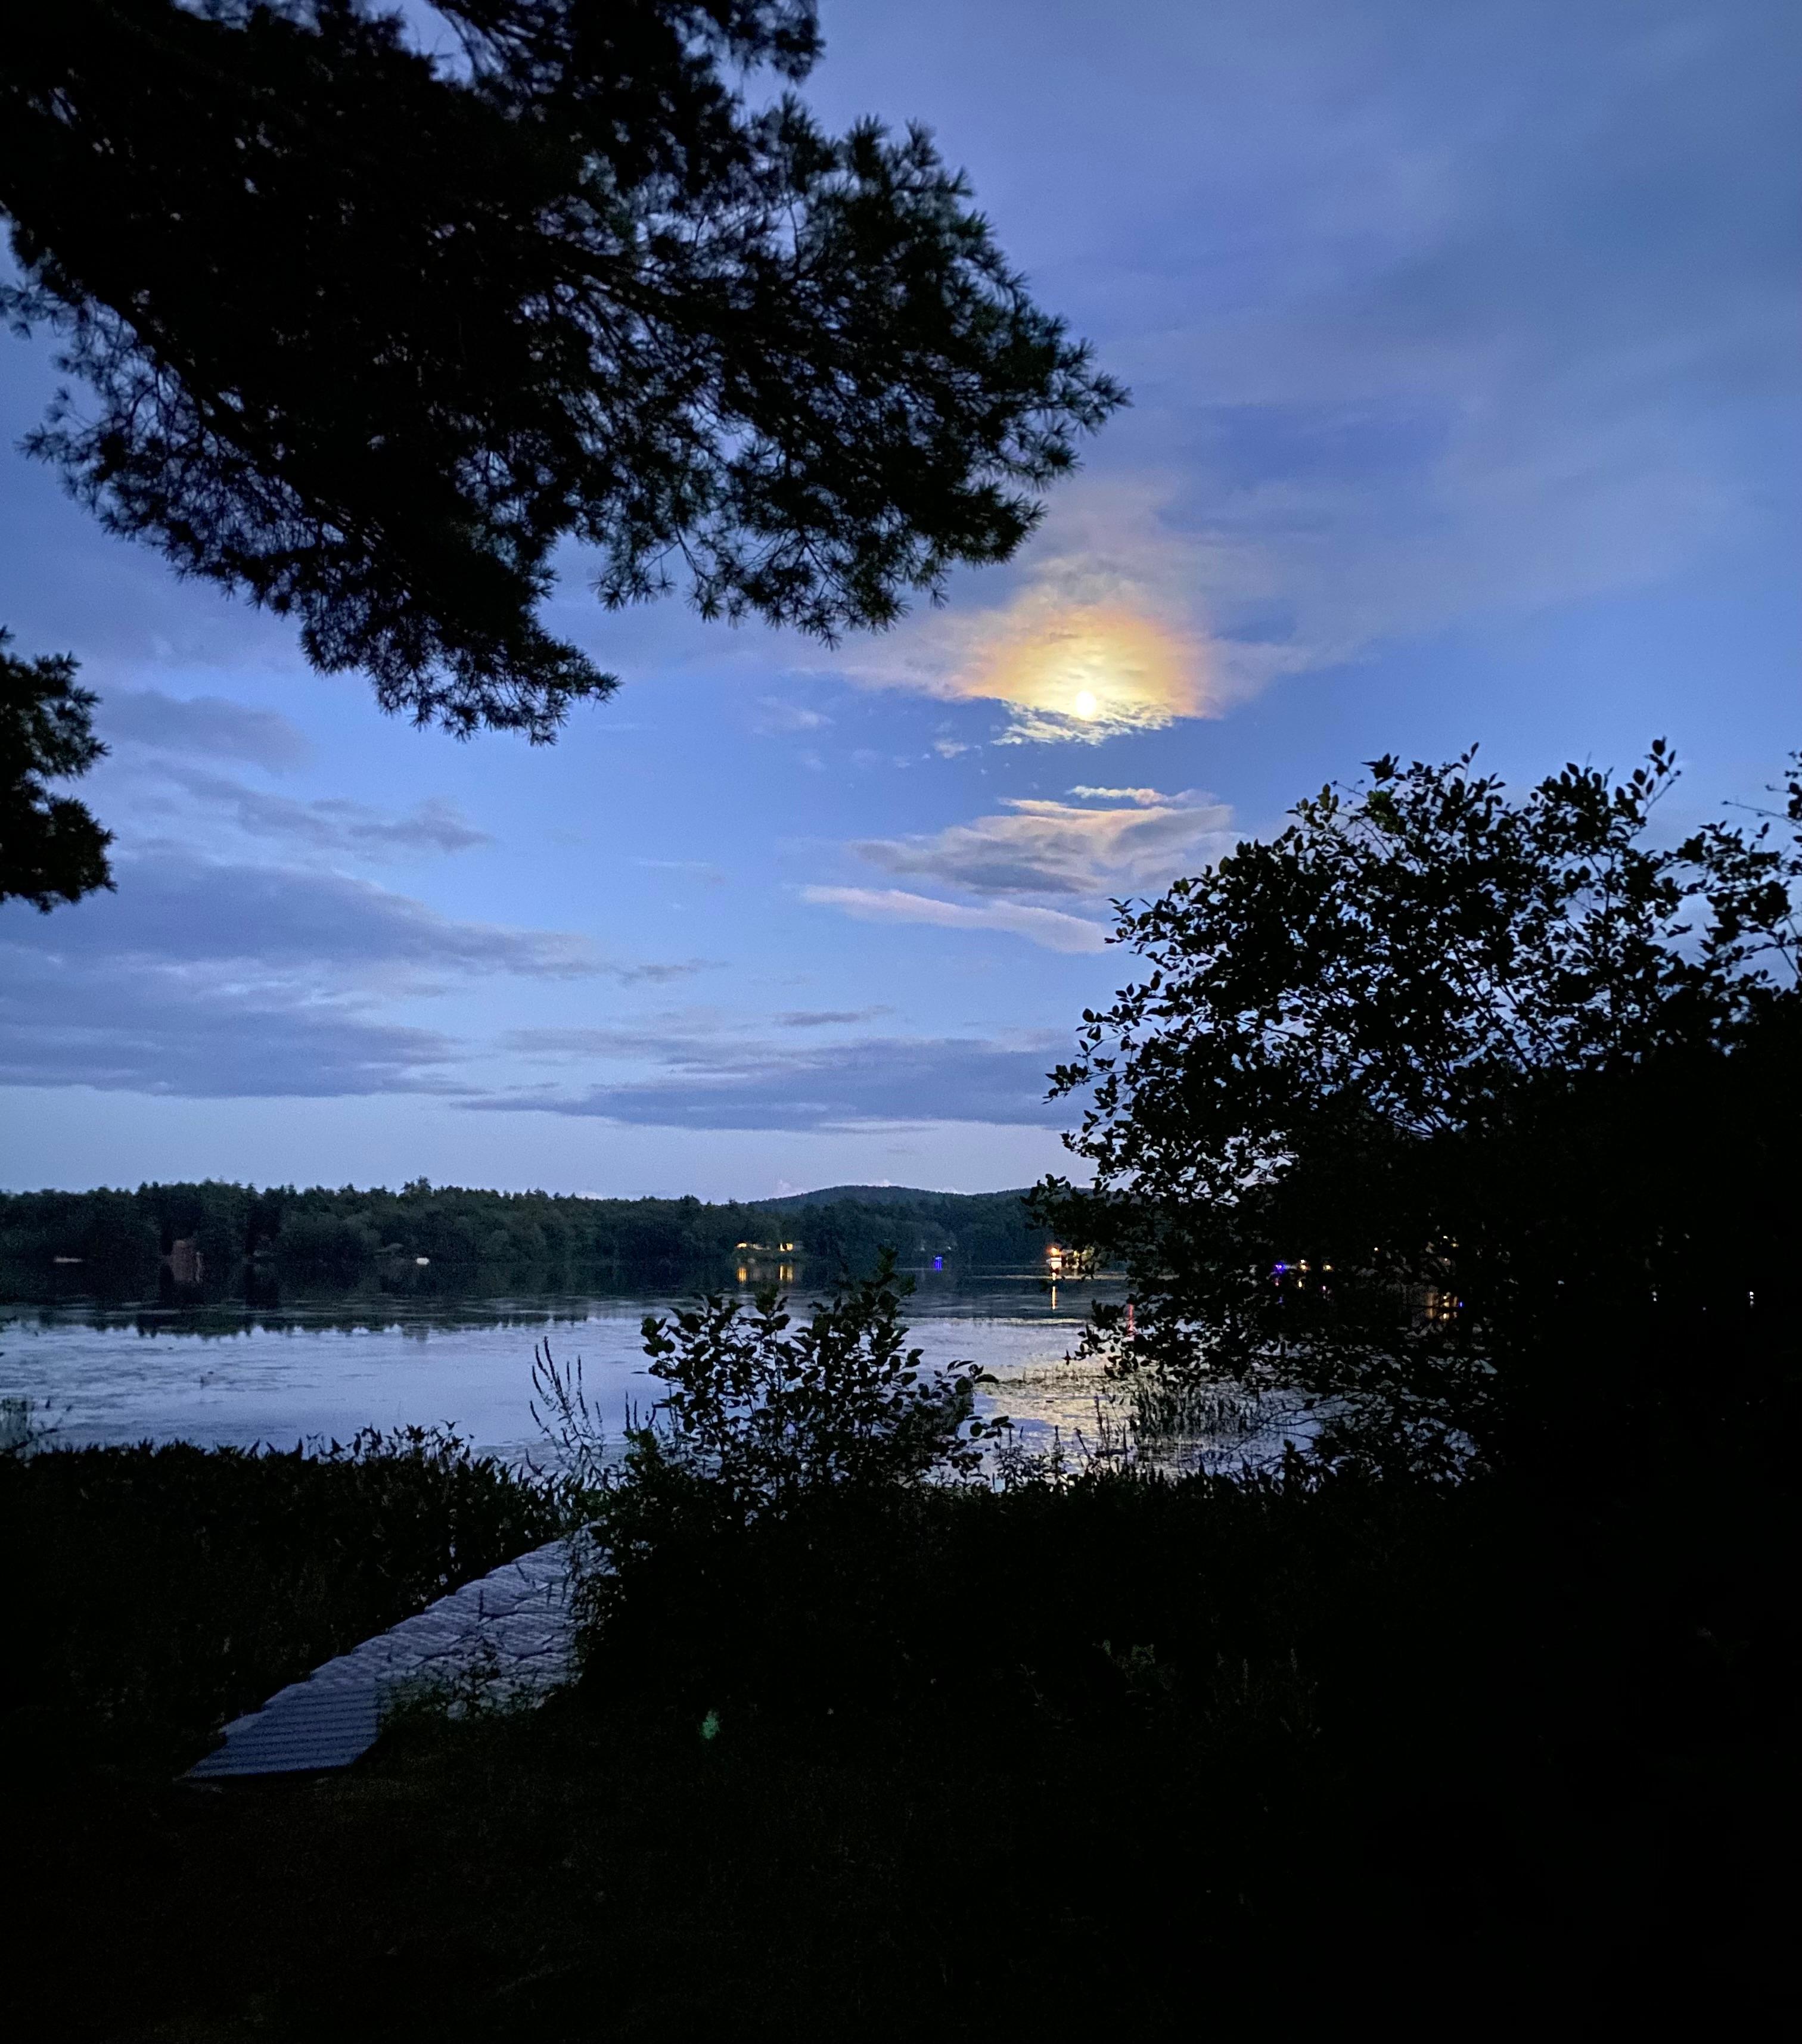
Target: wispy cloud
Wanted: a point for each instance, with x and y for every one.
(201, 726)
(775, 715)
(879, 1081)
(1087, 854)
(205, 978)
(705, 871)
(166, 776)
(1048, 928)
(658, 972)
(129, 1025)
(333, 824)
(1047, 847)
(175, 909)
(1081, 673)
(1101, 636)
(828, 1018)
(675, 1039)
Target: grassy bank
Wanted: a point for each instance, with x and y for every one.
(157, 1592)
(1122, 1754)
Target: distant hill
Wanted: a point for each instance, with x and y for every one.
(850, 1225)
(877, 1196)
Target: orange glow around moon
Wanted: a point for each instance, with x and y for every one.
(1102, 667)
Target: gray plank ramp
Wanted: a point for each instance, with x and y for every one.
(507, 1638)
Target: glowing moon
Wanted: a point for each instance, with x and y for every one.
(1085, 671)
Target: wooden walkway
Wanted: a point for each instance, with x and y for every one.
(507, 1639)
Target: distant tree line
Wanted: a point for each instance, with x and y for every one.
(121, 1241)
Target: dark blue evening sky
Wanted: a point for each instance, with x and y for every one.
(1463, 342)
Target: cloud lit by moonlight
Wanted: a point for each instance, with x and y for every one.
(1081, 671)
(1103, 636)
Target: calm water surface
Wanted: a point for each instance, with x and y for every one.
(319, 1368)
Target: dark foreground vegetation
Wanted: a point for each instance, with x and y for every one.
(1127, 1753)
(243, 1242)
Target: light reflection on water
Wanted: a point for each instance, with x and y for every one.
(320, 1369)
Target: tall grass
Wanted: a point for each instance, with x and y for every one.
(158, 1592)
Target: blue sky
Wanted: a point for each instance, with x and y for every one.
(1463, 342)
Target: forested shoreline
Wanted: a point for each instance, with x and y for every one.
(213, 1238)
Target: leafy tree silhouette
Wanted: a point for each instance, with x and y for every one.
(367, 333)
(51, 849)
(1475, 1116)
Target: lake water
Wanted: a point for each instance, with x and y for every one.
(317, 1370)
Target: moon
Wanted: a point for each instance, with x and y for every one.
(1086, 670)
